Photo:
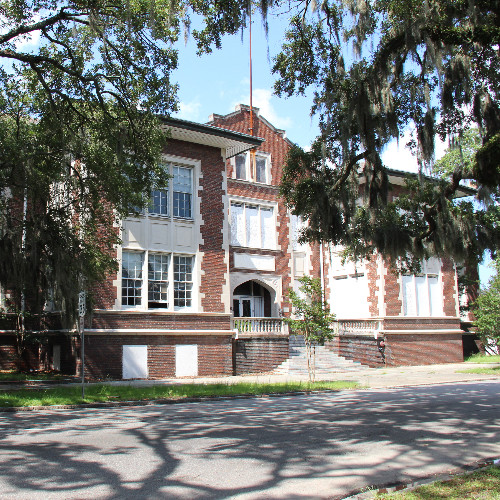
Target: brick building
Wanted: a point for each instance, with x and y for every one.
(205, 271)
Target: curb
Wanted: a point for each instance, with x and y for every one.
(369, 492)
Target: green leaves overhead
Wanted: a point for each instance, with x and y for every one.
(82, 86)
(379, 69)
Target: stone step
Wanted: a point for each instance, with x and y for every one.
(326, 361)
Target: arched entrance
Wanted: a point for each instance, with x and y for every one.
(251, 300)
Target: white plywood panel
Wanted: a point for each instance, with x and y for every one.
(135, 361)
(186, 360)
(133, 234)
(159, 235)
(184, 236)
(257, 262)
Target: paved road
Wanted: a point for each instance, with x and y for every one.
(319, 446)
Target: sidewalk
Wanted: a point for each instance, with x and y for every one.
(404, 376)
(368, 377)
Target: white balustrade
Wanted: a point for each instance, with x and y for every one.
(357, 326)
(264, 326)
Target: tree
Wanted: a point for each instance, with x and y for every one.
(312, 319)
(431, 67)
(81, 133)
(487, 311)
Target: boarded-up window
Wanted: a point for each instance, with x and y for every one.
(186, 360)
(135, 361)
(252, 226)
(422, 295)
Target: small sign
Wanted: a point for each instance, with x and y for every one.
(81, 304)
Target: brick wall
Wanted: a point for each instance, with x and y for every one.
(8, 354)
(168, 321)
(259, 354)
(358, 348)
(423, 349)
(103, 354)
(38, 356)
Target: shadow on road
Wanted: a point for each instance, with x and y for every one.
(333, 443)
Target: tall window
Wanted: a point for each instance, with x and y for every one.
(169, 280)
(252, 226)
(158, 280)
(176, 199)
(422, 295)
(183, 280)
(132, 278)
(183, 192)
(261, 169)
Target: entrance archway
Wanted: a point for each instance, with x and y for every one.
(251, 300)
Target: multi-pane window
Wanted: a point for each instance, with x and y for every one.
(132, 263)
(183, 280)
(422, 295)
(252, 226)
(183, 192)
(169, 280)
(175, 200)
(158, 280)
(159, 202)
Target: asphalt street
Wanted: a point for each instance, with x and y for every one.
(311, 446)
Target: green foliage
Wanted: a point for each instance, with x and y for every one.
(379, 69)
(460, 156)
(312, 318)
(81, 133)
(487, 309)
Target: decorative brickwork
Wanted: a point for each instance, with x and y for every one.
(277, 146)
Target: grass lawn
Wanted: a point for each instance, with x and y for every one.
(483, 484)
(494, 370)
(481, 358)
(105, 392)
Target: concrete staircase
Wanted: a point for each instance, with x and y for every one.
(327, 361)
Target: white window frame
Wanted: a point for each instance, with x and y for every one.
(421, 298)
(249, 204)
(249, 175)
(168, 213)
(170, 302)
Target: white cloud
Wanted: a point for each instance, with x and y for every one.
(189, 110)
(399, 157)
(30, 40)
(262, 100)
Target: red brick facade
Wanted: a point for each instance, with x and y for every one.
(209, 150)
